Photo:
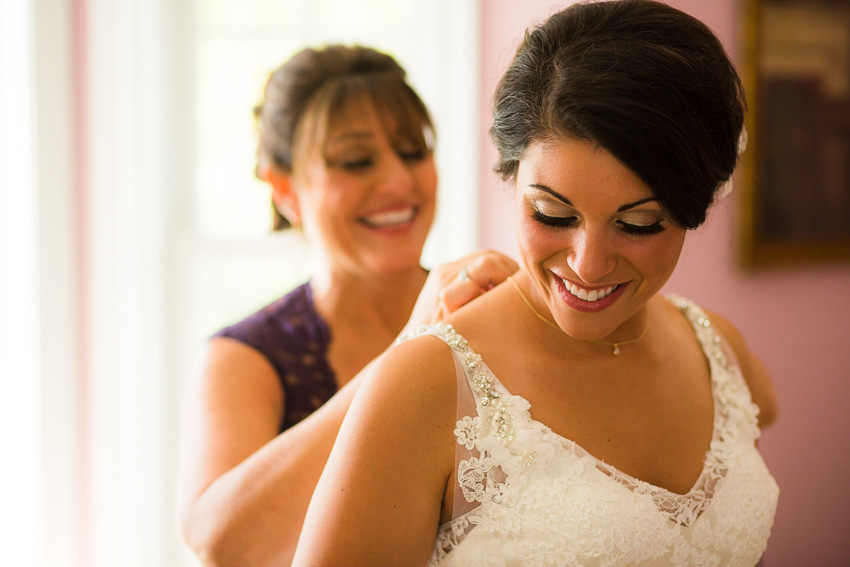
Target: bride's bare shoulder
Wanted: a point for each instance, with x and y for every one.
(421, 368)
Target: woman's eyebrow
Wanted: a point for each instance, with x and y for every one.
(567, 201)
(350, 135)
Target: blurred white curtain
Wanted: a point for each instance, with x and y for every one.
(40, 426)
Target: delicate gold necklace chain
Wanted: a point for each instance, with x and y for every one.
(616, 346)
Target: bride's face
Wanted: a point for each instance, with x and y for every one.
(593, 237)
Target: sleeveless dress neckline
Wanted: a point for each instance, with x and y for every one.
(699, 496)
(526, 495)
(614, 472)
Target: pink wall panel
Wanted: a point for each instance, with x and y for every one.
(796, 319)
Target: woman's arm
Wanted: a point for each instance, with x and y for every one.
(244, 489)
(755, 373)
(379, 500)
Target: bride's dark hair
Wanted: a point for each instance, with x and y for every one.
(647, 82)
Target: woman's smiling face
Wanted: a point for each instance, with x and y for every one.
(368, 194)
(595, 240)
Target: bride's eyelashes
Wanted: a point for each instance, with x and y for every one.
(556, 222)
(562, 222)
(641, 230)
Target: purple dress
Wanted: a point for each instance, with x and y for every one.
(294, 338)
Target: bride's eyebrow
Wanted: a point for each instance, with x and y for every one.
(567, 201)
(551, 192)
(636, 203)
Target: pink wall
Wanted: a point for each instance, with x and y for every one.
(796, 319)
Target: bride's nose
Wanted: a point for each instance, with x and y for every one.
(591, 256)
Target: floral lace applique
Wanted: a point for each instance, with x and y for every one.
(468, 431)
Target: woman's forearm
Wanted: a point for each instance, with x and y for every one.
(252, 514)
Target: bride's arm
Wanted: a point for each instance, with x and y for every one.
(378, 501)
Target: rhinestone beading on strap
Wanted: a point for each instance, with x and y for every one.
(481, 380)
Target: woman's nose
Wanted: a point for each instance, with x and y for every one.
(591, 257)
(395, 175)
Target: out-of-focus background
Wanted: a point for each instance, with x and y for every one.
(131, 227)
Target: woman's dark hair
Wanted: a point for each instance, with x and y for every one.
(305, 94)
(647, 82)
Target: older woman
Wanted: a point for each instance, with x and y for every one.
(574, 416)
(346, 147)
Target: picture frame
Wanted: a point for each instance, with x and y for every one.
(794, 175)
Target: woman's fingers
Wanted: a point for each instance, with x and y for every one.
(478, 273)
(452, 285)
(488, 268)
(457, 294)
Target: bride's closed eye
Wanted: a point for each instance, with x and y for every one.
(637, 224)
(641, 230)
(553, 221)
(641, 223)
(552, 214)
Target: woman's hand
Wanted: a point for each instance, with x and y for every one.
(452, 285)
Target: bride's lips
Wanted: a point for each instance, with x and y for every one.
(585, 305)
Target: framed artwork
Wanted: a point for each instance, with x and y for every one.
(795, 173)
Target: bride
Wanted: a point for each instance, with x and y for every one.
(574, 416)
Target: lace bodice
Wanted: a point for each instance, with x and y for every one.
(527, 496)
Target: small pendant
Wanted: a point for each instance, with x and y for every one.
(616, 349)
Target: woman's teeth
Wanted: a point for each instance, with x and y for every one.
(390, 218)
(592, 295)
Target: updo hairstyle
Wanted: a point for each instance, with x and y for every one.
(303, 97)
(645, 81)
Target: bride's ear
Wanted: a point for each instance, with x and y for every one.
(284, 196)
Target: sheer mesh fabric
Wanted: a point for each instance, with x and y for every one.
(527, 496)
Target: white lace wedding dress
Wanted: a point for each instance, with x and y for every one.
(527, 496)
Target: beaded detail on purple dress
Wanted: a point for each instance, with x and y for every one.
(294, 338)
